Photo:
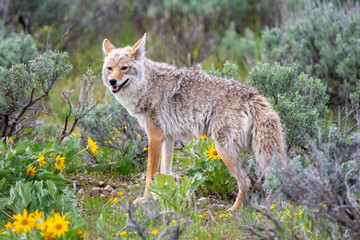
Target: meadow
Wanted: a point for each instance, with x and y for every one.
(72, 160)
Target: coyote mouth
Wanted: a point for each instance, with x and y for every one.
(116, 89)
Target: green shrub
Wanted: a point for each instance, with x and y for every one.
(326, 181)
(111, 126)
(299, 99)
(19, 48)
(325, 44)
(26, 81)
(227, 71)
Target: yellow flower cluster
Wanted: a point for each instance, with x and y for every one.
(93, 146)
(225, 215)
(54, 226)
(59, 164)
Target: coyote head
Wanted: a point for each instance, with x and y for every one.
(123, 67)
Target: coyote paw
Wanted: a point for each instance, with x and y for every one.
(141, 200)
(231, 210)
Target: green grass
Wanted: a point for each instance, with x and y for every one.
(107, 217)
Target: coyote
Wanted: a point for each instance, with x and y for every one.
(181, 103)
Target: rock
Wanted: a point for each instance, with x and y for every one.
(101, 183)
(108, 188)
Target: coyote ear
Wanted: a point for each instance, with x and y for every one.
(139, 48)
(107, 47)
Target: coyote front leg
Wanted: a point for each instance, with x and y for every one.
(156, 138)
(167, 155)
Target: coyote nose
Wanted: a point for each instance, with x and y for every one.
(113, 82)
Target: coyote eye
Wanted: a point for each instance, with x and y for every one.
(109, 68)
(124, 68)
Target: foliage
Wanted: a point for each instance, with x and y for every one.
(243, 49)
(36, 225)
(173, 196)
(299, 99)
(213, 173)
(227, 71)
(18, 48)
(41, 188)
(111, 126)
(326, 182)
(324, 44)
(22, 86)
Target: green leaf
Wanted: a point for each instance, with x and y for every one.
(45, 175)
(51, 188)
(160, 181)
(170, 181)
(2, 181)
(91, 168)
(185, 183)
(195, 185)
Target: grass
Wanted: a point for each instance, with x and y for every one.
(107, 217)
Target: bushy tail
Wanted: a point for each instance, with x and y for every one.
(267, 135)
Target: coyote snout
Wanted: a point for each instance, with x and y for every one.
(172, 103)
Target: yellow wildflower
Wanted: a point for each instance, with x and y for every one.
(212, 153)
(8, 225)
(36, 216)
(324, 205)
(60, 162)
(125, 127)
(23, 223)
(92, 145)
(81, 233)
(59, 226)
(42, 161)
(200, 216)
(287, 45)
(114, 200)
(3, 232)
(139, 136)
(123, 234)
(31, 170)
(174, 222)
(272, 206)
(52, 155)
(202, 136)
(9, 140)
(45, 228)
(191, 164)
(74, 134)
(144, 148)
(155, 232)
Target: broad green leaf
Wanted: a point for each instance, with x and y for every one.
(160, 181)
(185, 183)
(45, 175)
(51, 188)
(195, 185)
(170, 181)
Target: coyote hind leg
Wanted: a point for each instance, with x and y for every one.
(232, 163)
